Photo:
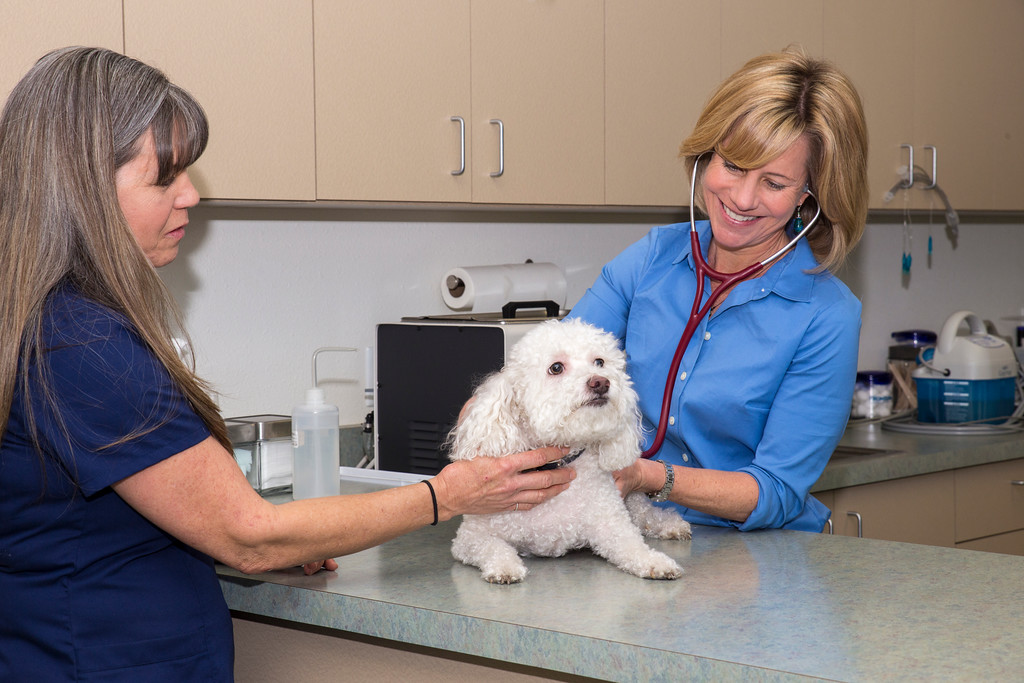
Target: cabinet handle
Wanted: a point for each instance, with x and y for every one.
(909, 182)
(1017, 482)
(860, 523)
(462, 146)
(501, 148)
(935, 165)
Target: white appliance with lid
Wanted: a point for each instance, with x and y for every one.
(966, 378)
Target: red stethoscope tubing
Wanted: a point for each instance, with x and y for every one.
(697, 312)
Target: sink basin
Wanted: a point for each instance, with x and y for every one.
(857, 451)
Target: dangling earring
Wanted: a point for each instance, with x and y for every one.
(798, 222)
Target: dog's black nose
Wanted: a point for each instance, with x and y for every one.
(599, 385)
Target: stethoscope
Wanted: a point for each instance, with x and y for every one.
(697, 312)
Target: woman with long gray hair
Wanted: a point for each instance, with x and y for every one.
(118, 489)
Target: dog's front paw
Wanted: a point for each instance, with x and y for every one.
(675, 528)
(497, 559)
(504, 574)
(656, 565)
(657, 522)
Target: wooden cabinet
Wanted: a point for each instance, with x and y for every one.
(663, 58)
(968, 99)
(351, 100)
(1010, 543)
(538, 67)
(654, 91)
(976, 508)
(753, 28)
(28, 30)
(913, 510)
(872, 42)
(938, 72)
(391, 75)
(250, 64)
(990, 506)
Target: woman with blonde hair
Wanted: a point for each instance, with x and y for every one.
(118, 488)
(763, 391)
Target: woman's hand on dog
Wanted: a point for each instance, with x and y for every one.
(487, 485)
(630, 479)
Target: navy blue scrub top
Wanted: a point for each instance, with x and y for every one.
(90, 589)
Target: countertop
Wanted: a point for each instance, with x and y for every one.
(768, 606)
(771, 605)
(870, 452)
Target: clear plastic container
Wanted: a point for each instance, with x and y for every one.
(316, 448)
(872, 395)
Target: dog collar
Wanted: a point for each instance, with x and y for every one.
(558, 464)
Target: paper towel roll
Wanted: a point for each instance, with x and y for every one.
(488, 288)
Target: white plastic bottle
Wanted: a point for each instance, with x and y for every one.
(315, 451)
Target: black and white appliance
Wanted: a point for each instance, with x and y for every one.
(427, 368)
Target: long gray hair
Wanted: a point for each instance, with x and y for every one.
(76, 117)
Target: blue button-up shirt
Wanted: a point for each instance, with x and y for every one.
(766, 382)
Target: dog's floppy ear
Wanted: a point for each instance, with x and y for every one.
(492, 425)
(623, 449)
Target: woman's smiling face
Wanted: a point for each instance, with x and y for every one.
(749, 208)
(157, 214)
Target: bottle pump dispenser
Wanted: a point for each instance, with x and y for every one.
(315, 442)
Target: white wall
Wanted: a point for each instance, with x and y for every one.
(983, 273)
(263, 288)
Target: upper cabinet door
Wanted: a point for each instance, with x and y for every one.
(538, 68)
(391, 76)
(250, 64)
(884, 77)
(940, 73)
(28, 30)
(969, 99)
(656, 85)
(754, 27)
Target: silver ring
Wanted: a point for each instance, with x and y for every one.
(517, 508)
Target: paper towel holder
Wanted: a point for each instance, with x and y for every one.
(456, 287)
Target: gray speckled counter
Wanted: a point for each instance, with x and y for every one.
(775, 605)
(869, 453)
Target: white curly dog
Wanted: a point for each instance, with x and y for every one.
(565, 384)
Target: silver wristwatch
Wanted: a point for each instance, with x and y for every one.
(670, 479)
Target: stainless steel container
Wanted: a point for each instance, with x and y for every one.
(263, 449)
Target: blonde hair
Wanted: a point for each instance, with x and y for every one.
(762, 109)
(76, 117)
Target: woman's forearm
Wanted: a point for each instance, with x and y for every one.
(201, 497)
(730, 495)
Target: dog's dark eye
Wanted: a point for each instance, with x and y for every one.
(599, 362)
(556, 369)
